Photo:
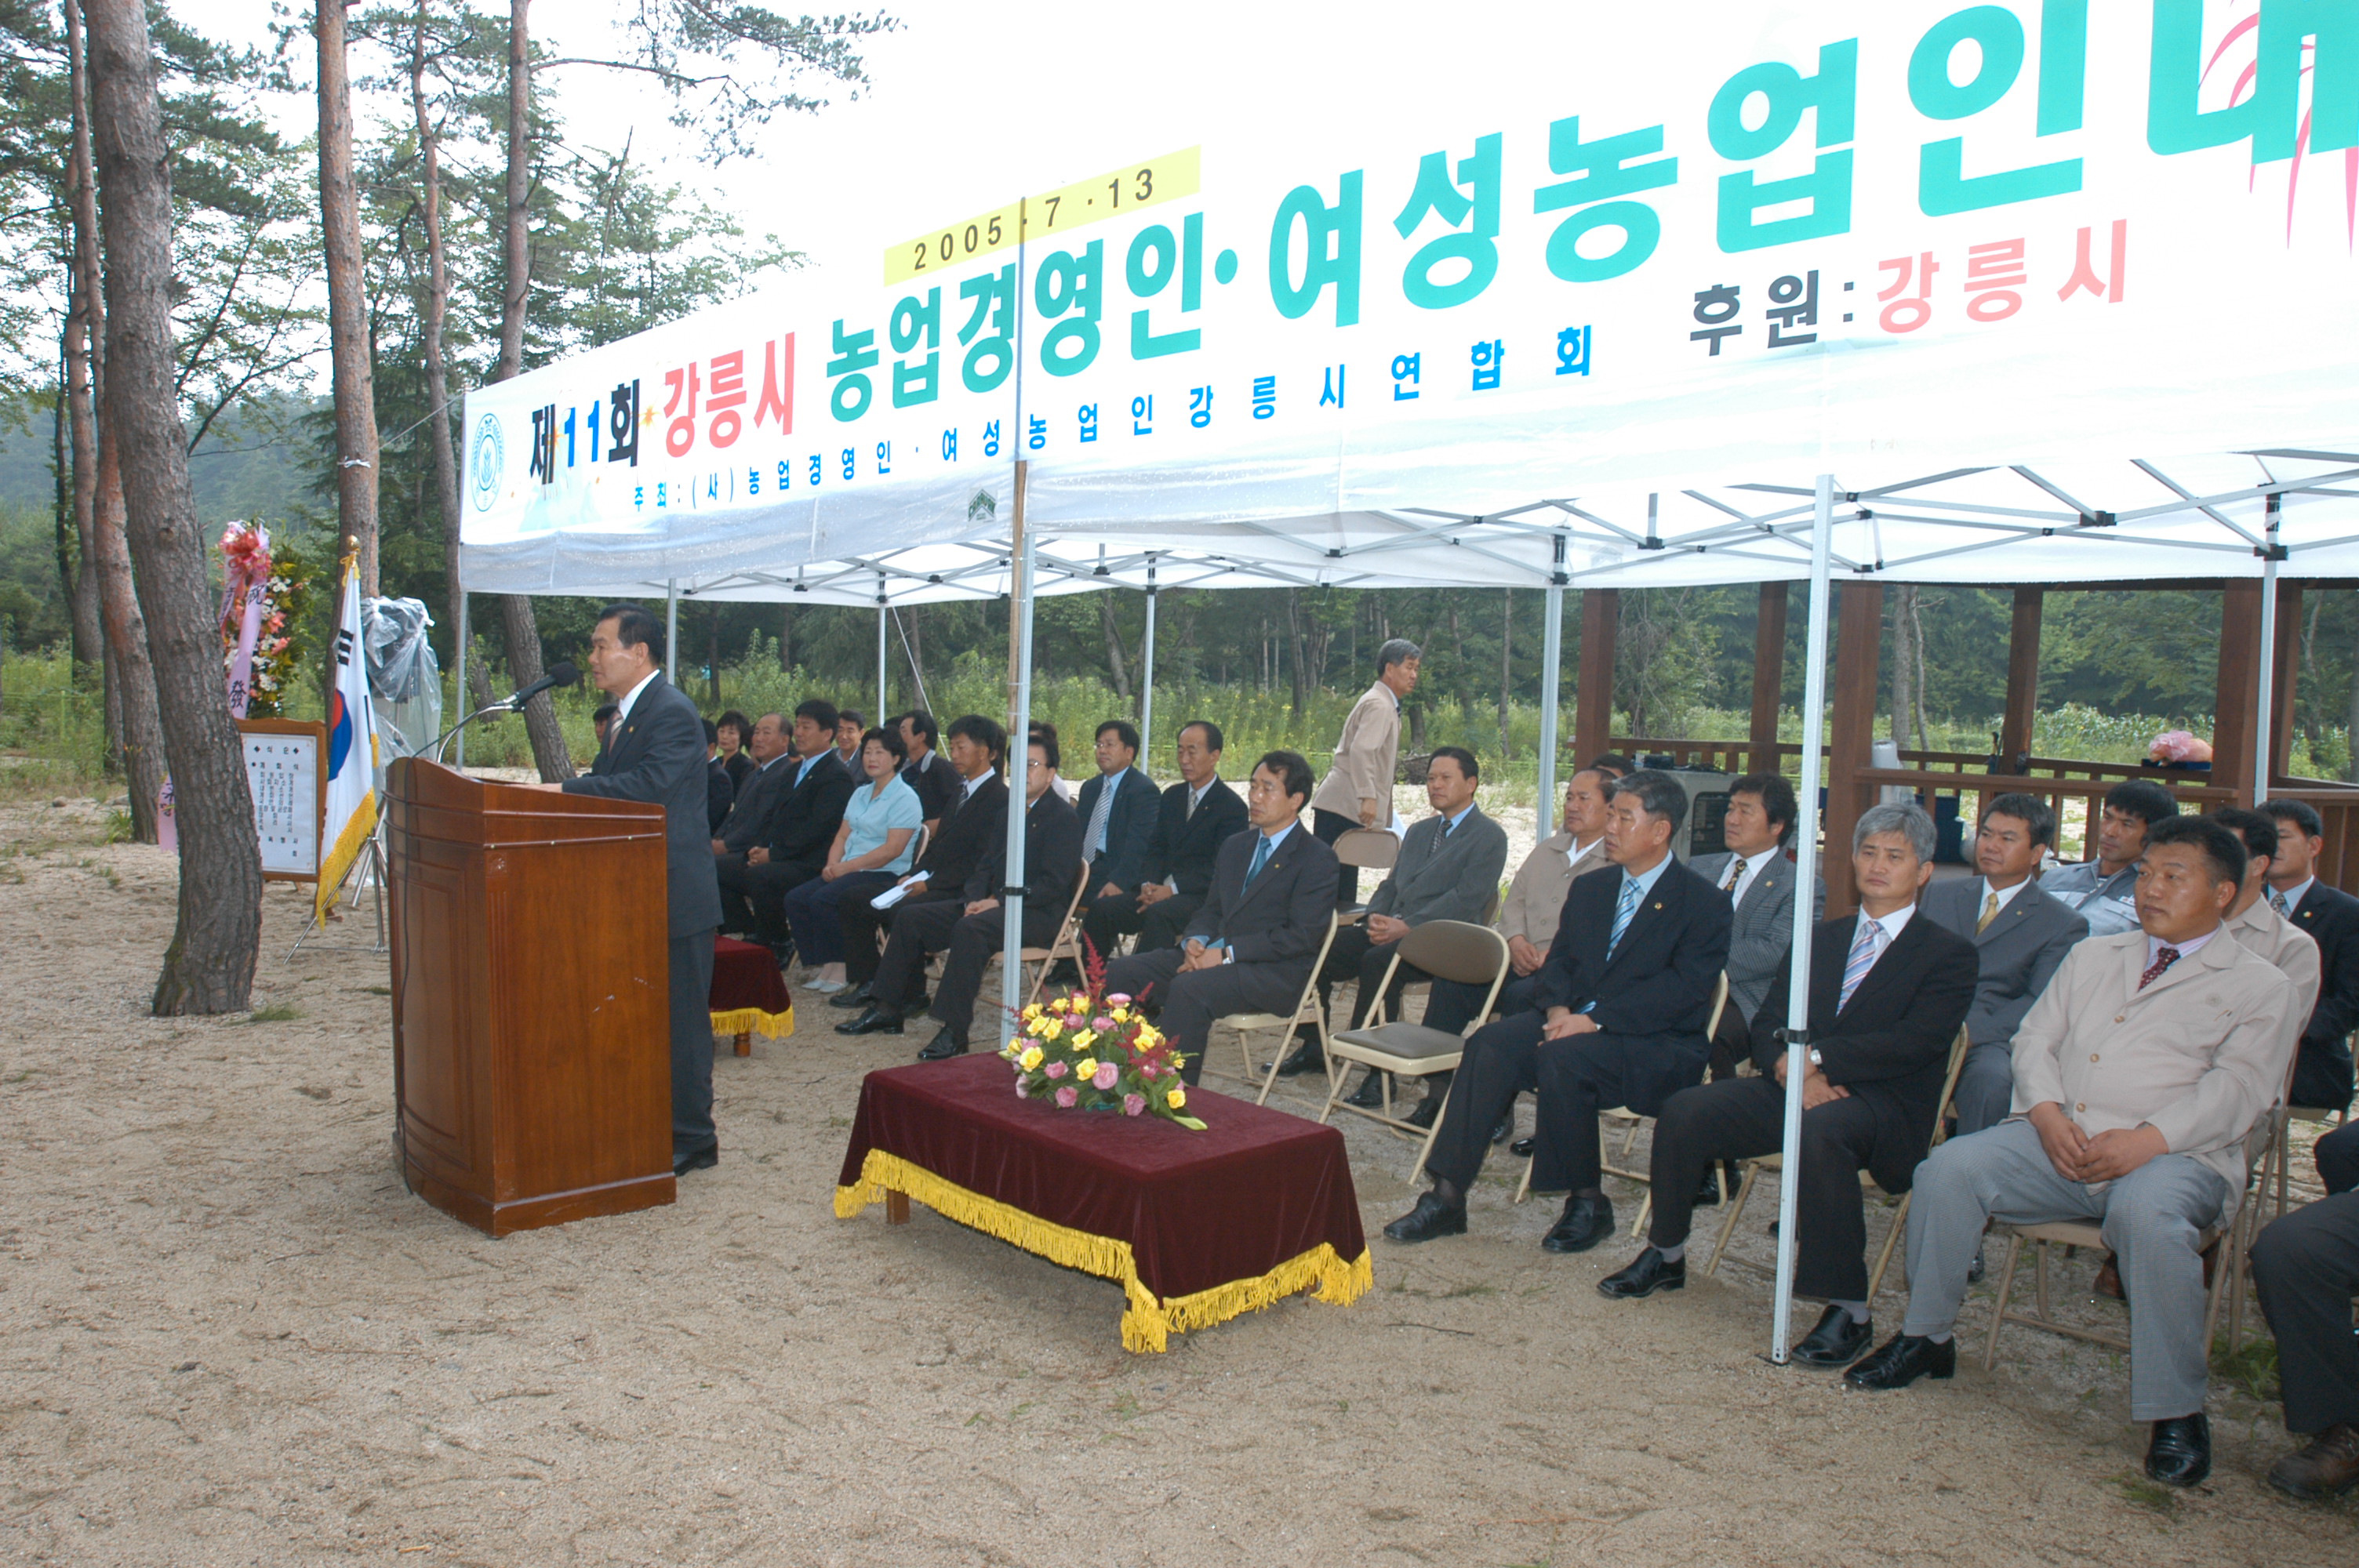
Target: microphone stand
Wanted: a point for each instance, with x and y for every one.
(433, 753)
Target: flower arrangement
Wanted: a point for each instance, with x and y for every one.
(285, 633)
(2178, 746)
(1097, 1052)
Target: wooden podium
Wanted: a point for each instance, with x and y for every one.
(531, 1020)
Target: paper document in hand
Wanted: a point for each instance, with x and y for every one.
(890, 896)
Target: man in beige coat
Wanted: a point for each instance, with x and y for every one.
(2138, 1074)
(1358, 789)
(2260, 928)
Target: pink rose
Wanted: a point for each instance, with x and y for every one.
(1133, 1104)
(1102, 1024)
(1118, 999)
(1055, 1069)
(1107, 1075)
(1021, 1092)
(1067, 1095)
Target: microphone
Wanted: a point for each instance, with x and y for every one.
(560, 674)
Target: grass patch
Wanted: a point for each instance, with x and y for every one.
(117, 829)
(378, 991)
(276, 1013)
(2147, 1494)
(2253, 1368)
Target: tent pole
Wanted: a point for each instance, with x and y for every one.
(1019, 756)
(671, 631)
(2265, 711)
(1551, 679)
(882, 628)
(459, 670)
(1806, 871)
(1147, 675)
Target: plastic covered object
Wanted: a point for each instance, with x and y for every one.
(405, 678)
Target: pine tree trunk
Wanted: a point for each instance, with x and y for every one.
(1904, 668)
(81, 474)
(517, 620)
(133, 720)
(433, 307)
(348, 314)
(209, 967)
(1115, 665)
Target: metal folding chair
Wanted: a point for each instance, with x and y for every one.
(1446, 949)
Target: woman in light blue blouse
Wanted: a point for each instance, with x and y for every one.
(872, 851)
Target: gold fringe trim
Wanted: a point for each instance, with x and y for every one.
(754, 1021)
(342, 856)
(1148, 1323)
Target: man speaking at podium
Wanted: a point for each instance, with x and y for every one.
(654, 752)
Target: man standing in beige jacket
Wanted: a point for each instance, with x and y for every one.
(2138, 1074)
(1358, 789)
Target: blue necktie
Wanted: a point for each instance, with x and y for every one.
(1261, 858)
(1623, 911)
(1863, 950)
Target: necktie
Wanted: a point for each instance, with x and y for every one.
(1261, 858)
(1193, 796)
(1990, 913)
(2163, 958)
(1863, 950)
(2278, 903)
(1447, 823)
(1735, 869)
(1098, 817)
(1623, 913)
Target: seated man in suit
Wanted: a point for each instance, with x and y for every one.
(2138, 1074)
(720, 789)
(1617, 1019)
(1759, 881)
(2021, 934)
(2306, 1266)
(851, 724)
(2330, 917)
(2256, 923)
(1118, 807)
(1449, 870)
(1250, 946)
(769, 770)
(977, 814)
(2105, 889)
(1888, 993)
(1195, 816)
(928, 772)
(973, 930)
(803, 820)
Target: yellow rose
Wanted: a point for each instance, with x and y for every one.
(1052, 1029)
(1085, 1067)
(1031, 1058)
(1175, 1096)
(1083, 1038)
(1033, 1011)
(1122, 1015)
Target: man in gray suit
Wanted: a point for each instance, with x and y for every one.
(2021, 934)
(1250, 944)
(1759, 881)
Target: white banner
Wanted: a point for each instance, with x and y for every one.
(1676, 244)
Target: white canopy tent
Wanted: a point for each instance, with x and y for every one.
(1743, 316)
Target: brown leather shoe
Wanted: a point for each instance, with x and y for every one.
(2327, 1468)
(2108, 1282)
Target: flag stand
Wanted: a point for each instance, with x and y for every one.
(368, 870)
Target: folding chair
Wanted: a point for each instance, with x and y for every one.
(1753, 1169)
(1365, 849)
(1629, 1121)
(2228, 1269)
(1068, 943)
(1306, 1010)
(1447, 949)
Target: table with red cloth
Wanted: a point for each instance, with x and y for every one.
(749, 993)
(1197, 1227)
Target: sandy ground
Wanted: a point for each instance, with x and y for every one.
(227, 1335)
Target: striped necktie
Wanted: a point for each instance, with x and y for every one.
(1864, 947)
(1623, 911)
(1099, 817)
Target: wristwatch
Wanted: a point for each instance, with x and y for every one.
(1817, 1060)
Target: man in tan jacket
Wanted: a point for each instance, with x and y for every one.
(1358, 789)
(2138, 1074)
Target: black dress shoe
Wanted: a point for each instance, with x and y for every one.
(1427, 1112)
(1586, 1222)
(1707, 1194)
(851, 996)
(702, 1159)
(1905, 1359)
(1429, 1218)
(1837, 1342)
(1370, 1094)
(1521, 1148)
(942, 1046)
(875, 1021)
(1975, 1268)
(1647, 1273)
(2180, 1453)
(1307, 1058)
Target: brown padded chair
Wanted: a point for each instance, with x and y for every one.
(1447, 949)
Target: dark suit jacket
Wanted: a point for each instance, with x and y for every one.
(1660, 980)
(1444, 879)
(741, 765)
(1183, 847)
(657, 755)
(1891, 1046)
(719, 795)
(803, 823)
(2018, 954)
(938, 785)
(1052, 859)
(2330, 916)
(966, 835)
(1282, 917)
(749, 822)
(1130, 827)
